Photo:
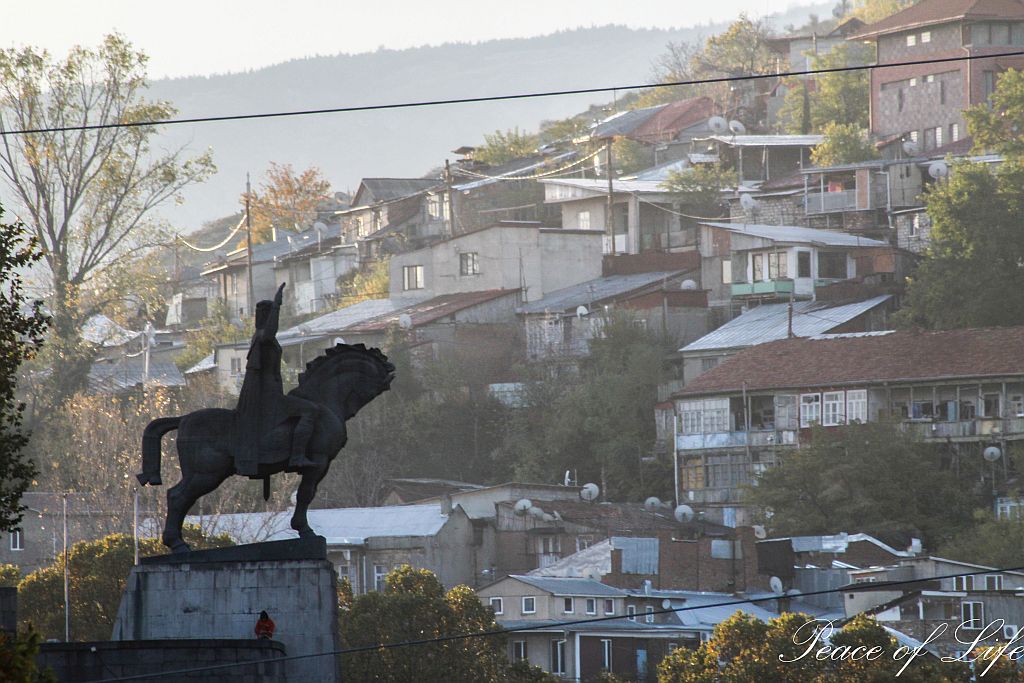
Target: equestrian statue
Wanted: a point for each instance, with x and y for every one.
(269, 431)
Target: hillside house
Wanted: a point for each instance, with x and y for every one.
(666, 130)
(388, 215)
(760, 158)
(962, 388)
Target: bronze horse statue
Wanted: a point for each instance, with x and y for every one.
(211, 441)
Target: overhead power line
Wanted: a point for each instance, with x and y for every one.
(501, 98)
(540, 625)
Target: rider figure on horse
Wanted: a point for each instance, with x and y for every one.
(262, 403)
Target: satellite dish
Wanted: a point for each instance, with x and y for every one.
(590, 492)
(536, 512)
(338, 340)
(548, 517)
(666, 603)
(737, 128)
(992, 453)
(320, 227)
(689, 285)
(683, 514)
(581, 311)
(718, 125)
(759, 531)
(938, 169)
(405, 321)
(776, 584)
(652, 504)
(522, 505)
(910, 147)
(748, 202)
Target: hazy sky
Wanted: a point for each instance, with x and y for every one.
(195, 37)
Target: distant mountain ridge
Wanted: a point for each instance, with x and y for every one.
(400, 142)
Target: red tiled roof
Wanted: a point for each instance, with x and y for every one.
(930, 12)
(851, 360)
(674, 118)
(430, 310)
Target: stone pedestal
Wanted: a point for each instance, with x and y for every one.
(219, 594)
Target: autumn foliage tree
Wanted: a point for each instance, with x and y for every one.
(286, 200)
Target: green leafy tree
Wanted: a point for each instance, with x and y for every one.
(503, 146)
(98, 571)
(872, 478)
(630, 156)
(10, 575)
(845, 143)
(996, 126)
(989, 541)
(835, 98)
(972, 274)
(87, 196)
(415, 606)
(699, 189)
(18, 659)
(373, 282)
(21, 331)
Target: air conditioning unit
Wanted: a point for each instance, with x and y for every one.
(1010, 631)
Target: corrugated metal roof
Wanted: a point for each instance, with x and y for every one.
(338, 320)
(207, 363)
(639, 556)
(601, 185)
(121, 375)
(596, 290)
(660, 172)
(99, 329)
(387, 189)
(425, 312)
(798, 234)
(624, 123)
(340, 526)
(769, 140)
(557, 585)
(771, 321)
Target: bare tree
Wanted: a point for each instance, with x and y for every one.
(87, 195)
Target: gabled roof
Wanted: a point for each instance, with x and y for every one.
(624, 123)
(376, 190)
(795, 234)
(557, 585)
(863, 359)
(123, 375)
(101, 330)
(770, 322)
(208, 362)
(596, 291)
(424, 312)
(931, 12)
(674, 118)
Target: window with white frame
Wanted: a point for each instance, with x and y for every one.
(857, 406)
(435, 206)
(810, 409)
(993, 582)
(498, 605)
(787, 415)
(606, 654)
(832, 408)
(529, 604)
(519, 651)
(583, 220)
(649, 615)
(17, 540)
(963, 583)
(972, 614)
(380, 572)
(469, 263)
(591, 605)
(926, 36)
(567, 605)
(692, 416)
(631, 612)
(716, 415)
(558, 656)
(236, 366)
(758, 266)
(726, 271)
(911, 40)
(777, 266)
(412, 277)
(609, 606)
(1016, 404)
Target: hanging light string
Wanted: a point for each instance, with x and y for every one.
(215, 247)
(535, 176)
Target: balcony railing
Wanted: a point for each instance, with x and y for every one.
(762, 288)
(982, 427)
(828, 202)
(759, 438)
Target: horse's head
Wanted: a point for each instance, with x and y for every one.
(347, 377)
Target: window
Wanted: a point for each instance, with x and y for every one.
(991, 405)
(803, 264)
(832, 413)
(926, 36)
(498, 605)
(631, 612)
(549, 545)
(777, 266)
(786, 412)
(726, 271)
(922, 410)
(915, 224)
(930, 78)
(558, 656)
(832, 266)
(1017, 405)
(609, 606)
(236, 366)
(1000, 33)
(810, 409)
(913, 82)
(412, 277)
(649, 615)
(954, 132)
(857, 406)
(567, 605)
(716, 415)
(606, 654)
(583, 542)
(963, 583)
(434, 206)
(911, 40)
(692, 413)
(591, 605)
(380, 572)
(968, 410)
(583, 220)
(993, 582)
(17, 540)
(972, 614)
(708, 364)
(529, 605)
(519, 651)
(989, 83)
(758, 260)
(469, 263)
(344, 572)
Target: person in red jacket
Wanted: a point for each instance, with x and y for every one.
(265, 626)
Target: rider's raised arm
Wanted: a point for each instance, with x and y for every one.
(273, 320)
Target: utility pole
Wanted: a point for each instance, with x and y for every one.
(789, 329)
(67, 577)
(248, 248)
(609, 218)
(450, 198)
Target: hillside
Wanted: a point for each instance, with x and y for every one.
(406, 141)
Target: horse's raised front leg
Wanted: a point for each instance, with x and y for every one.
(304, 496)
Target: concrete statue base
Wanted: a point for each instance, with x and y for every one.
(218, 594)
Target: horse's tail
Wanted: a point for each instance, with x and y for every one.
(151, 449)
